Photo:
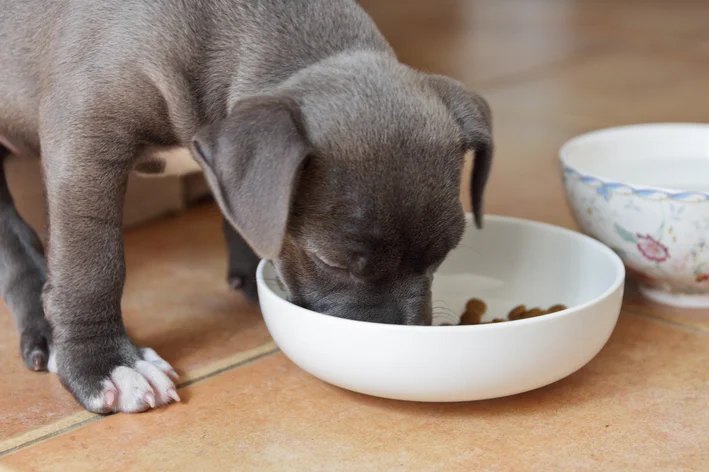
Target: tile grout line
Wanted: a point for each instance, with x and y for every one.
(660, 319)
(83, 418)
(237, 360)
(267, 350)
(90, 418)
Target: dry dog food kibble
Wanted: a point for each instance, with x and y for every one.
(475, 305)
(517, 312)
(556, 308)
(471, 318)
(475, 309)
(532, 313)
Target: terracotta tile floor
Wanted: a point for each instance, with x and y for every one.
(551, 69)
(270, 415)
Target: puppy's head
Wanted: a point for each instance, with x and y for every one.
(350, 184)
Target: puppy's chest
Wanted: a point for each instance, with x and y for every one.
(161, 161)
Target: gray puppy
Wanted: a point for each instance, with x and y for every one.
(327, 155)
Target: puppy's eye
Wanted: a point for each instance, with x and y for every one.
(329, 264)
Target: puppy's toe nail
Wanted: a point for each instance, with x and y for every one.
(38, 361)
(109, 399)
(173, 375)
(149, 398)
(235, 282)
(172, 393)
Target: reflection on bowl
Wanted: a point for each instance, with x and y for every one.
(510, 262)
(643, 190)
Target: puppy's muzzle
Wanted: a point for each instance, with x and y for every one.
(416, 310)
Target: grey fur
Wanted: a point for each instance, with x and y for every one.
(327, 155)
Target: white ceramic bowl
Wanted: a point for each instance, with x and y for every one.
(508, 263)
(643, 190)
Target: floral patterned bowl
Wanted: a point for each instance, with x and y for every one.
(643, 190)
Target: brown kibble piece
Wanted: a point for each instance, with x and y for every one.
(475, 305)
(533, 313)
(469, 318)
(556, 308)
(476, 308)
(517, 312)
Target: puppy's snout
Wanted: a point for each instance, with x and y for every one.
(407, 303)
(408, 312)
(414, 311)
(417, 311)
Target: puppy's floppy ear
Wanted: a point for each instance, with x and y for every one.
(251, 161)
(472, 113)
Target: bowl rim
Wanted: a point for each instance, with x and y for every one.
(615, 286)
(564, 157)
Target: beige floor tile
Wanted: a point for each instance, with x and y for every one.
(612, 88)
(478, 41)
(702, 39)
(176, 301)
(485, 42)
(526, 176)
(635, 302)
(641, 404)
(651, 21)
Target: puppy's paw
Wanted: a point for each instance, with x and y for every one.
(35, 345)
(245, 283)
(151, 356)
(131, 380)
(132, 390)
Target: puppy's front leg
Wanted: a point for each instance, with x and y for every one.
(243, 262)
(86, 170)
(22, 276)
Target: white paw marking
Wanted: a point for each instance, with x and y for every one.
(152, 357)
(161, 384)
(104, 402)
(131, 390)
(52, 362)
(134, 391)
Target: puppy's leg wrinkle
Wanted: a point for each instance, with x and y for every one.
(243, 261)
(86, 179)
(22, 276)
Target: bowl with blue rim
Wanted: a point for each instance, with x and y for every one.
(643, 190)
